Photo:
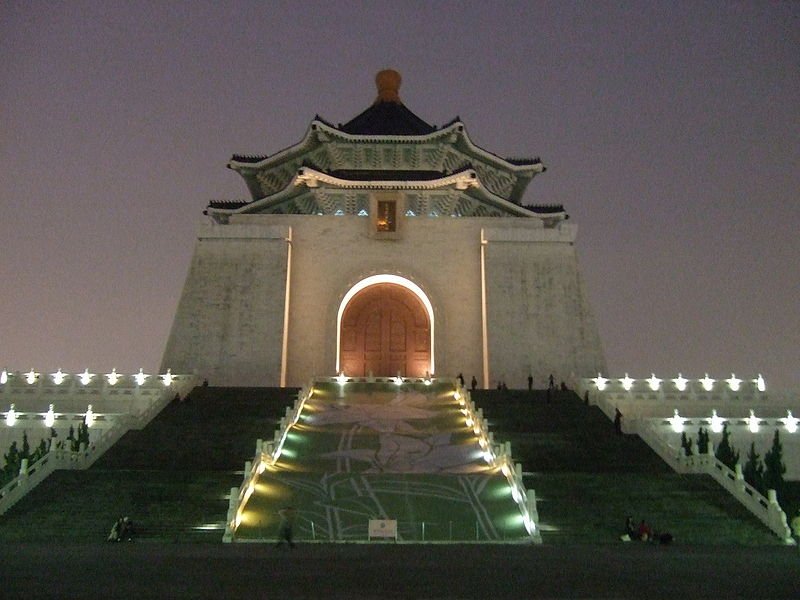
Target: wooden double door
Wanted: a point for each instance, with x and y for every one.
(385, 330)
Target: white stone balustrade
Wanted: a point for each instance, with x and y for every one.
(767, 509)
(266, 454)
(135, 406)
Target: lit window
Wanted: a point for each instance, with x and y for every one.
(386, 215)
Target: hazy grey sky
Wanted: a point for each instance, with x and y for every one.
(671, 133)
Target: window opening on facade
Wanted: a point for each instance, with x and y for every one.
(387, 215)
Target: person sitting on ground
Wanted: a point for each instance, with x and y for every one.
(630, 529)
(126, 530)
(644, 533)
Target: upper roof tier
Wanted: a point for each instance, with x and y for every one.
(387, 115)
(387, 136)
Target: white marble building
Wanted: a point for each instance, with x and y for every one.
(384, 245)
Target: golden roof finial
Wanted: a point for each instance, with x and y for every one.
(388, 82)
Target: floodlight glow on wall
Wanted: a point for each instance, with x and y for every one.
(627, 383)
(761, 385)
(680, 382)
(341, 379)
(140, 377)
(112, 377)
(374, 280)
(50, 417)
(4, 377)
(11, 416)
(677, 422)
(89, 418)
(654, 382)
(717, 422)
(734, 382)
(752, 422)
(600, 382)
(58, 377)
(707, 383)
(31, 376)
(86, 377)
(790, 422)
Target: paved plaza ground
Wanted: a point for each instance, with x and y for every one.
(333, 571)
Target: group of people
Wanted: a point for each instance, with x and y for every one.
(121, 531)
(643, 533)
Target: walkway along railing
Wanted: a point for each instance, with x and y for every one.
(32, 475)
(496, 455)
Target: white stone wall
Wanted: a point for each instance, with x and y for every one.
(331, 254)
(229, 321)
(539, 316)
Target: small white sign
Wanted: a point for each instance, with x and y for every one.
(382, 528)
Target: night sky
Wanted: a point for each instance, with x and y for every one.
(670, 132)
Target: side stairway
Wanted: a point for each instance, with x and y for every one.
(587, 478)
(171, 478)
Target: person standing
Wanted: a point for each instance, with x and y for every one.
(285, 530)
(474, 383)
(617, 421)
(530, 382)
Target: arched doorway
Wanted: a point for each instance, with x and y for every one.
(385, 328)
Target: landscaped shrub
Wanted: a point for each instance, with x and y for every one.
(753, 470)
(725, 452)
(774, 466)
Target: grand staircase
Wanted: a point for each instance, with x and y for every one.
(171, 478)
(174, 476)
(404, 454)
(588, 479)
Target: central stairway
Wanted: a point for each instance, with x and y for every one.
(363, 451)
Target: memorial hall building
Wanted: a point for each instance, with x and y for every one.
(380, 246)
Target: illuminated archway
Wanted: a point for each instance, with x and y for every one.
(375, 280)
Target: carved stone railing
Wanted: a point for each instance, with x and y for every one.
(766, 509)
(31, 475)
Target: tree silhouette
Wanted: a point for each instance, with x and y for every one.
(725, 452)
(774, 467)
(753, 469)
(702, 441)
(686, 444)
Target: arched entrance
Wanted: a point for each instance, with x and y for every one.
(385, 328)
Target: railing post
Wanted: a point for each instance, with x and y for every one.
(740, 483)
(248, 465)
(533, 512)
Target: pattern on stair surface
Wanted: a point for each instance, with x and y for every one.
(377, 451)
